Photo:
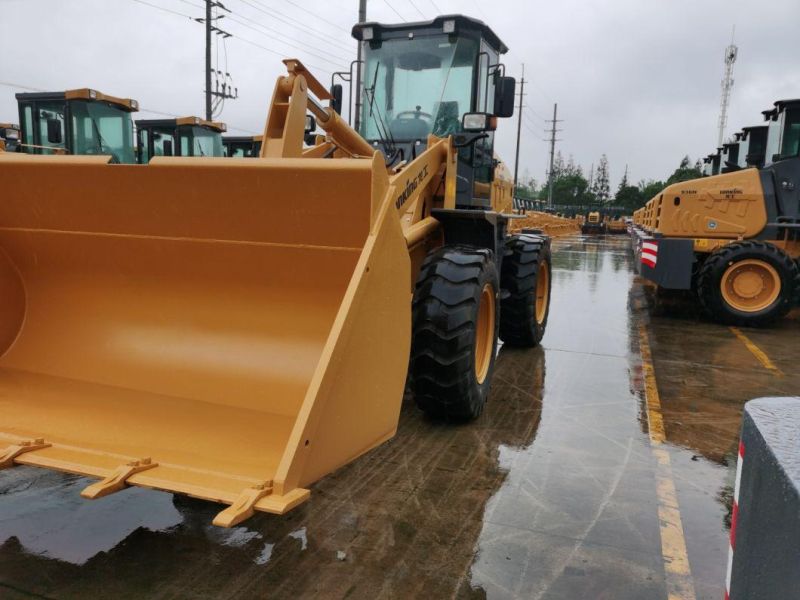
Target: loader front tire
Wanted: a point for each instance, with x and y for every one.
(525, 277)
(454, 332)
(749, 283)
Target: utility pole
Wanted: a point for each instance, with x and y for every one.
(553, 141)
(228, 91)
(208, 60)
(519, 129)
(727, 83)
(362, 18)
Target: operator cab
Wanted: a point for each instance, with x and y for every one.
(441, 77)
(707, 164)
(9, 134)
(242, 146)
(753, 146)
(783, 134)
(185, 136)
(82, 121)
(729, 160)
(716, 160)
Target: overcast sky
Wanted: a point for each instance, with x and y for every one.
(636, 79)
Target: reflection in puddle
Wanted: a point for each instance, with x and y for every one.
(46, 514)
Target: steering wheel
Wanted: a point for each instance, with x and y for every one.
(414, 114)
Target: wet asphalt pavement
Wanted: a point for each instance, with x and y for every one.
(550, 494)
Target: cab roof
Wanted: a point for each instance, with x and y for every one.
(784, 104)
(89, 94)
(212, 125)
(242, 138)
(460, 24)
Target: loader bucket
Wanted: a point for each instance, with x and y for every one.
(230, 329)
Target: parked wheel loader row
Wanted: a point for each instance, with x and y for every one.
(88, 122)
(601, 222)
(238, 351)
(733, 239)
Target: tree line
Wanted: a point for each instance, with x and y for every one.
(572, 187)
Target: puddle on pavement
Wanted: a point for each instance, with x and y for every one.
(550, 494)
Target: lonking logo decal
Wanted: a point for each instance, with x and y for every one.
(411, 185)
(731, 192)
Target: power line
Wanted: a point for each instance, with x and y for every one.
(530, 129)
(200, 6)
(411, 2)
(316, 16)
(21, 87)
(480, 10)
(271, 12)
(281, 54)
(390, 5)
(168, 10)
(274, 32)
(438, 10)
(543, 118)
(529, 119)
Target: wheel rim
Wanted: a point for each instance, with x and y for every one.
(484, 333)
(750, 285)
(542, 292)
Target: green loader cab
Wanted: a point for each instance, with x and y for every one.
(82, 121)
(441, 77)
(185, 136)
(242, 146)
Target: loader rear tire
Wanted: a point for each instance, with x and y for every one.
(749, 283)
(454, 332)
(525, 276)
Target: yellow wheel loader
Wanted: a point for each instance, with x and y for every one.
(242, 146)
(234, 329)
(184, 136)
(733, 238)
(9, 137)
(80, 122)
(616, 226)
(594, 224)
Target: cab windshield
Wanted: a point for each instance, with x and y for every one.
(100, 128)
(416, 87)
(199, 141)
(790, 144)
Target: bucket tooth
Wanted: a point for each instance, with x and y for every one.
(14, 450)
(244, 506)
(116, 481)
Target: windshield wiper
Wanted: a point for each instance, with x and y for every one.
(380, 124)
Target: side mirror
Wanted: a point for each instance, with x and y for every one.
(478, 122)
(54, 131)
(504, 96)
(336, 101)
(311, 123)
(167, 147)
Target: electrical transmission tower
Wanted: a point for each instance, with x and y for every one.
(552, 140)
(519, 129)
(219, 92)
(727, 83)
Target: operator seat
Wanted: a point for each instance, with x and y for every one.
(415, 128)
